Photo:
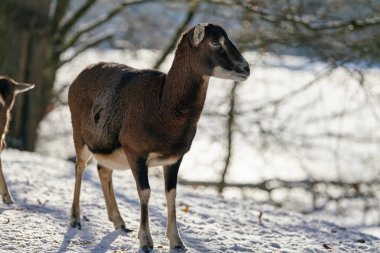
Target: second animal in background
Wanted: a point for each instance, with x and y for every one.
(9, 88)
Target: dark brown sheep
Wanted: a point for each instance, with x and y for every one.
(9, 88)
(130, 118)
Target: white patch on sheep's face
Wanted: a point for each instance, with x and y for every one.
(227, 56)
(222, 73)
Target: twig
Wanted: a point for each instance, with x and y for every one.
(269, 185)
(71, 21)
(59, 12)
(91, 43)
(230, 124)
(96, 23)
(280, 100)
(177, 35)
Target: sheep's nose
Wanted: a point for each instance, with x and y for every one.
(244, 69)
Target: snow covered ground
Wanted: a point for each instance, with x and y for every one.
(296, 158)
(42, 188)
(298, 118)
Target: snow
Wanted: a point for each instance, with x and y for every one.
(293, 157)
(42, 188)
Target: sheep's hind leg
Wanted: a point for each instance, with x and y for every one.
(4, 191)
(105, 176)
(82, 158)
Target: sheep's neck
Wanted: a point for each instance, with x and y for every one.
(185, 88)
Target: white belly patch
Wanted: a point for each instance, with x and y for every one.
(117, 160)
(156, 159)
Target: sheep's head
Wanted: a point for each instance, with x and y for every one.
(220, 57)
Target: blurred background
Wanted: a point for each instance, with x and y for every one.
(301, 133)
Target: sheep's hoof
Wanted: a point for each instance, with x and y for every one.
(124, 229)
(7, 199)
(76, 224)
(147, 248)
(178, 249)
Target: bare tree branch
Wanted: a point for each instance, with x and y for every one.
(71, 21)
(98, 22)
(272, 184)
(90, 43)
(177, 35)
(253, 7)
(230, 125)
(282, 99)
(59, 12)
(329, 25)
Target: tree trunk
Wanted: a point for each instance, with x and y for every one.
(24, 48)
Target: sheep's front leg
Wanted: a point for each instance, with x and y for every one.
(140, 173)
(170, 175)
(4, 192)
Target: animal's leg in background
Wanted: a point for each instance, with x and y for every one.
(4, 192)
(83, 155)
(140, 173)
(105, 176)
(170, 176)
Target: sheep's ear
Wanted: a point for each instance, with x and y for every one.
(2, 101)
(199, 34)
(22, 87)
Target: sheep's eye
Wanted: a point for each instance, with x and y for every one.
(215, 43)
